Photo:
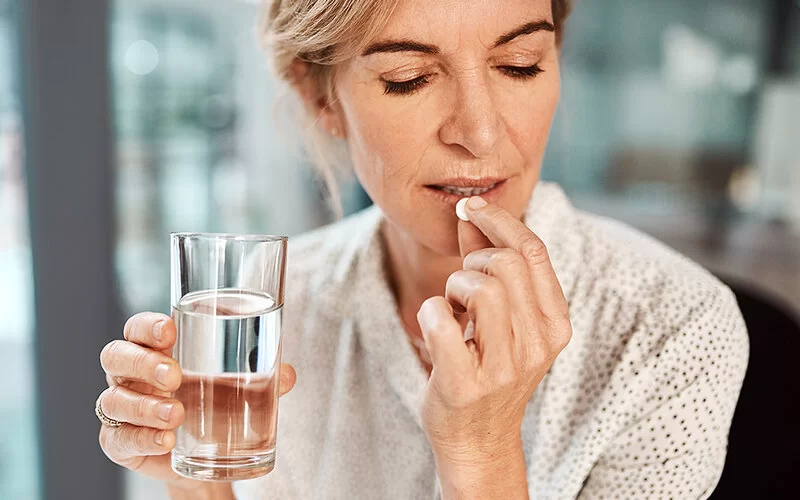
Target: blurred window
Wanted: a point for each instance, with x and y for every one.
(18, 445)
(673, 106)
(201, 142)
(681, 118)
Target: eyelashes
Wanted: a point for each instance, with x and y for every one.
(409, 87)
(521, 72)
(406, 87)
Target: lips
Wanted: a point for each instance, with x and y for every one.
(450, 191)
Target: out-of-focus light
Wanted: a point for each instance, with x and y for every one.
(691, 61)
(141, 57)
(744, 188)
(739, 74)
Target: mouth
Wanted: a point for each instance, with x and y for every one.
(465, 191)
(452, 190)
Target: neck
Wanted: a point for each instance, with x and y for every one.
(416, 273)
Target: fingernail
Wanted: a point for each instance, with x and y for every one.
(162, 371)
(157, 334)
(159, 438)
(424, 317)
(476, 202)
(163, 412)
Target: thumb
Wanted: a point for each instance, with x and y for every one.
(470, 238)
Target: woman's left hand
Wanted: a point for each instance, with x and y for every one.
(478, 390)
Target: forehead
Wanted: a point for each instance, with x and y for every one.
(451, 24)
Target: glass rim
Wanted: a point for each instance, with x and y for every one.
(265, 238)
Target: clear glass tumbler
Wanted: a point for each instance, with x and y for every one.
(227, 295)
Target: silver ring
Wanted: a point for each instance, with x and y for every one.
(98, 410)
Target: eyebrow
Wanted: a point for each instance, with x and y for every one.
(400, 46)
(390, 46)
(525, 29)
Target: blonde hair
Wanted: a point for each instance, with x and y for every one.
(324, 33)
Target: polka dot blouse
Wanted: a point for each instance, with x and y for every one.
(637, 406)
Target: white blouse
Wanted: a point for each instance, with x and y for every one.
(638, 405)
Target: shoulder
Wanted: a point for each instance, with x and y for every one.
(641, 270)
(655, 307)
(645, 302)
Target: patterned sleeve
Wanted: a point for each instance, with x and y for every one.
(675, 442)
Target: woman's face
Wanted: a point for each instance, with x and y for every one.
(453, 98)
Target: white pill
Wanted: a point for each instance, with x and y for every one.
(461, 209)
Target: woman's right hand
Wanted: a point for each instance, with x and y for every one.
(141, 376)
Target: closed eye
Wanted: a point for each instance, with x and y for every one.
(409, 87)
(405, 88)
(521, 71)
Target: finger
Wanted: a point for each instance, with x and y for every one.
(485, 299)
(444, 338)
(288, 378)
(140, 387)
(122, 404)
(150, 329)
(127, 443)
(509, 267)
(470, 238)
(504, 230)
(127, 360)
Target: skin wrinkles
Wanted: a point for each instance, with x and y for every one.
(470, 120)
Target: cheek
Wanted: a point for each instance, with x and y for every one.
(529, 129)
(385, 151)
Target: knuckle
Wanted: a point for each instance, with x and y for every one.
(103, 439)
(559, 320)
(533, 250)
(140, 363)
(118, 441)
(140, 439)
(496, 217)
(109, 356)
(563, 339)
(505, 258)
(538, 357)
(431, 302)
(451, 282)
(109, 401)
(129, 325)
(142, 408)
(109, 442)
(490, 290)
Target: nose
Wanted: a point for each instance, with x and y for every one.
(474, 123)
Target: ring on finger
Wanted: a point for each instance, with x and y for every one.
(105, 420)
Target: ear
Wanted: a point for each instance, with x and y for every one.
(315, 99)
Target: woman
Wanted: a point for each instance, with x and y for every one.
(602, 363)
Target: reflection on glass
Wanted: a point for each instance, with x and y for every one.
(18, 459)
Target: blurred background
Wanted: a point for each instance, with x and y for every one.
(122, 121)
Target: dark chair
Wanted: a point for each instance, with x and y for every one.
(764, 443)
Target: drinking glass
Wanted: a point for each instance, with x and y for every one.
(226, 296)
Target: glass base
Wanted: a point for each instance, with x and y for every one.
(223, 468)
